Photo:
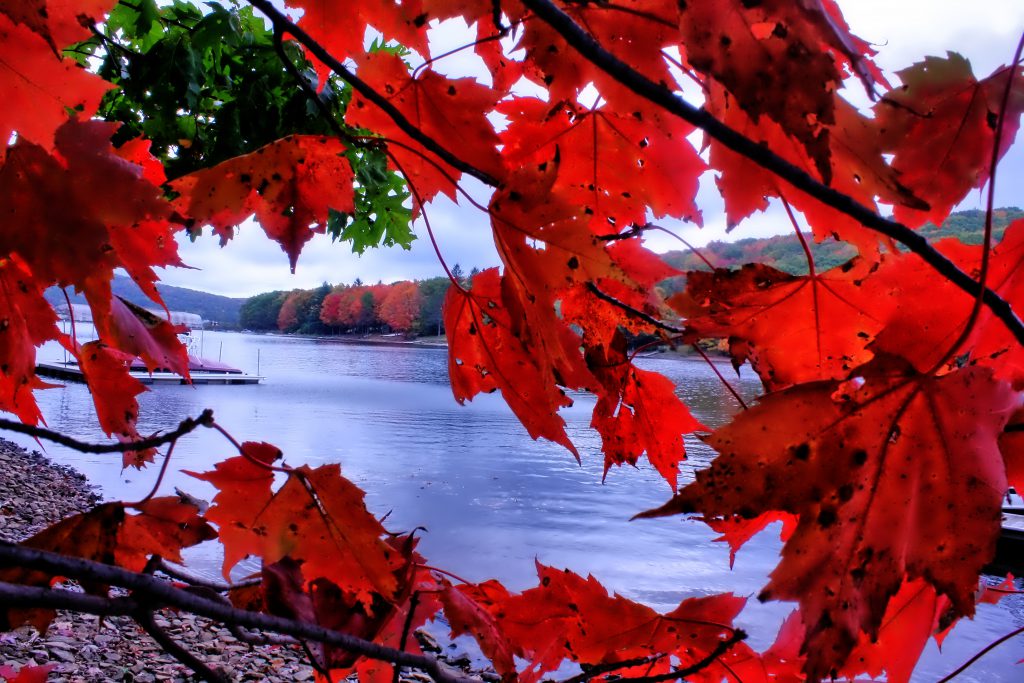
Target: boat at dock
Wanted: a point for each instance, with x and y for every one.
(1010, 547)
(200, 370)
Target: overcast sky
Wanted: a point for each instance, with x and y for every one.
(985, 31)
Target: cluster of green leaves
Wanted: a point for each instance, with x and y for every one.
(381, 217)
(260, 312)
(225, 91)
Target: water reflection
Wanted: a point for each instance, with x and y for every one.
(492, 499)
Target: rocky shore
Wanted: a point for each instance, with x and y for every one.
(34, 493)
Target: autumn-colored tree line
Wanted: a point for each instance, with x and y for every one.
(409, 307)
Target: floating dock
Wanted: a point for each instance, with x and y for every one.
(201, 371)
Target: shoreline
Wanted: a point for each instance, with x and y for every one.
(34, 493)
(440, 342)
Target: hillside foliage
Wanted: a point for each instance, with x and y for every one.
(889, 427)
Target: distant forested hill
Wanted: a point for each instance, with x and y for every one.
(212, 307)
(785, 253)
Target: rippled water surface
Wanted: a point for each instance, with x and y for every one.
(493, 500)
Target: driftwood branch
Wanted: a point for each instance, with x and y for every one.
(591, 49)
(158, 593)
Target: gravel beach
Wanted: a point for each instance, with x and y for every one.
(34, 493)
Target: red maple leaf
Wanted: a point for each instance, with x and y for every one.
(485, 354)
(29, 321)
(290, 185)
(39, 87)
(341, 28)
(111, 535)
(791, 328)
(567, 617)
(316, 517)
(597, 150)
(940, 127)
(452, 110)
(861, 464)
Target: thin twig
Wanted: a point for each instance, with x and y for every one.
(159, 478)
(145, 619)
(811, 271)
(426, 222)
(640, 229)
(308, 89)
(721, 377)
(984, 651)
(721, 648)
(593, 51)
(248, 456)
(414, 602)
(189, 424)
(650, 319)
(601, 669)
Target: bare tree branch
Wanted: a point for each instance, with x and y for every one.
(187, 425)
(592, 50)
(18, 595)
(160, 593)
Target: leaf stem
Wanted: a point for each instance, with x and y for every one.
(721, 377)
(986, 251)
(159, 478)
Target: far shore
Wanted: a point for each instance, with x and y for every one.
(441, 342)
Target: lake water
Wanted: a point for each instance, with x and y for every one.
(493, 500)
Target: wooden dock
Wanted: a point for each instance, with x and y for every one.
(70, 371)
(1013, 525)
